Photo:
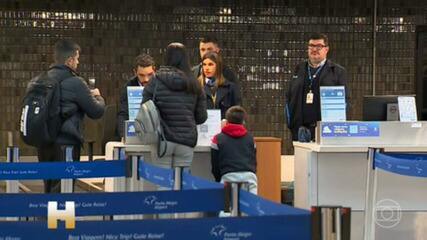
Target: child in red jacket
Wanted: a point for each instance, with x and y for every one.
(233, 151)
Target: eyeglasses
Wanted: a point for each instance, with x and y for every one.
(317, 47)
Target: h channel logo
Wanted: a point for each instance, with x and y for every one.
(54, 214)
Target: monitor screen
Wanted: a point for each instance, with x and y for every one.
(375, 107)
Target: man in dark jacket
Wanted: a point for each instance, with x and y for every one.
(76, 101)
(303, 93)
(144, 69)
(210, 44)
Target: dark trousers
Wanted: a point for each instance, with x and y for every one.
(55, 153)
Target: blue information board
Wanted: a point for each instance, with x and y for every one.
(350, 129)
(134, 100)
(332, 103)
(130, 128)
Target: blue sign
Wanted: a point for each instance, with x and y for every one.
(243, 228)
(62, 170)
(404, 164)
(256, 206)
(332, 103)
(350, 129)
(115, 203)
(130, 128)
(160, 176)
(134, 94)
(191, 182)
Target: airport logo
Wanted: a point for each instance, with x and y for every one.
(221, 232)
(147, 173)
(218, 230)
(77, 172)
(326, 129)
(131, 128)
(70, 169)
(418, 168)
(259, 209)
(150, 200)
(158, 204)
(54, 214)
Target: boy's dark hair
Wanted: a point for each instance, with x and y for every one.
(236, 115)
(208, 39)
(144, 60)
(317, 36)
(65, 49)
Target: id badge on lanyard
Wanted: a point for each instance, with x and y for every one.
(309, 98)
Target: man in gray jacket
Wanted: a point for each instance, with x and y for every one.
(76, 101)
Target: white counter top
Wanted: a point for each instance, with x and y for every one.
(359, 148)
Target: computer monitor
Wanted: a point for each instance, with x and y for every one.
(376, 108)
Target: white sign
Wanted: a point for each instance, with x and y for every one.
(407, 109)
(210, 128)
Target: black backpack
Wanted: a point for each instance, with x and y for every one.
(41, 118)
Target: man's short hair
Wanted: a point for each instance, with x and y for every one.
(208, 39)
(318, 36)
(236, 115)
(65, 49)
(143, 60)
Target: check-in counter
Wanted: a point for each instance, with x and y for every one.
(333, 171)
(268, 167)
(200, 166)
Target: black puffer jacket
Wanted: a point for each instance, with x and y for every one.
(76, 101)
(180, 111)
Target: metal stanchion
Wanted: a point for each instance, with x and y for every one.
(327, 224)
(132, 182)
(90, 150)
(370, 197)
(235, 196)
(177, 184)
(119, 183)
(12, 186)
(67, 184)
(338, 221)
(331, 223)
(232, 197)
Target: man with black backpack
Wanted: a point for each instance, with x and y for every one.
(54, 107)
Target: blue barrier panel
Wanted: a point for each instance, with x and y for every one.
(22, 205)
(191, 182)
(257, 206)
(62, 170)
(246, 228)
(156, 175)
(404, 164)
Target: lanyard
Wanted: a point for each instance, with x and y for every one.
(311, 78)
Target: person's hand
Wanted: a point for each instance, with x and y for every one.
(95, 92)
